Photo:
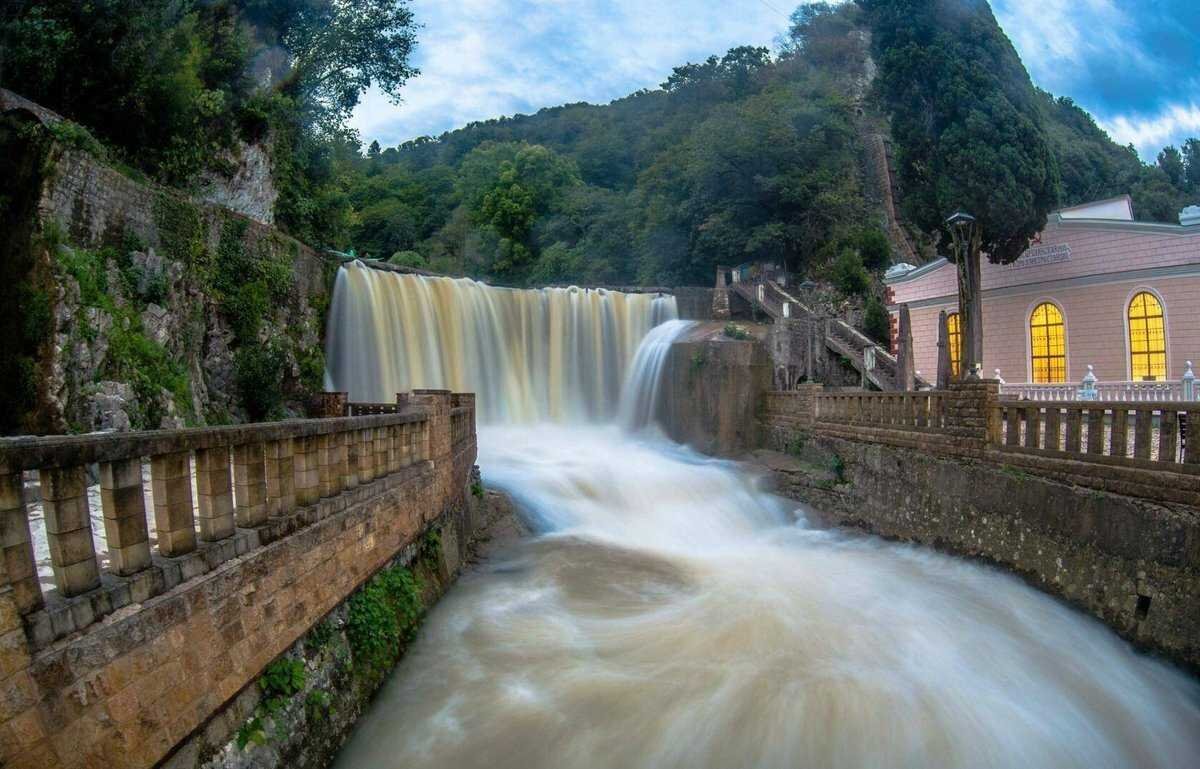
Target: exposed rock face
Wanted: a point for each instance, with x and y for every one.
(162, 311)
(249, 189)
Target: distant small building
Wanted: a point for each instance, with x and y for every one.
(1096, 288)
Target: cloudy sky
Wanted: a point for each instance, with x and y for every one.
(1134, 65)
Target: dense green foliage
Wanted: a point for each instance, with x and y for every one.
(964, 120)
(749, 155)
(172, 85)
(740, 157)
(382, 616)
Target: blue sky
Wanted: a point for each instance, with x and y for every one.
(1134, 65)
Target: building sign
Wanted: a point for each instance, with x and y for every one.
(1051, 254)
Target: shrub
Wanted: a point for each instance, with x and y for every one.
(874, 248)
(381, 616)
(408, 259)
(258, 371)
(848, 273)
(734, 331)
(876, 321)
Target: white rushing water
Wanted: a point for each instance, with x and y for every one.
(669, 613)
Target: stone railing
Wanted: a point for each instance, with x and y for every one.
(220, 548)
(243, 477)
(917, 411)
(1136, 448)
(1138, 434)
(1102, 391)
(1092, 389)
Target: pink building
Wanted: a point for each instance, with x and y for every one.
(1097, 289)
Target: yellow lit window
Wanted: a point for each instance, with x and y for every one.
(1147, 338)
(1047, 344)
(954, 331)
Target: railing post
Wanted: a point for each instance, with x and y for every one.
(69, 530)
(1189, 383)
(249, 476)
(307, 481)
(123, 501)
(382, 463)
(171, 481)
(280, 471)
(366, 456)
(214, 485)
(327, 476)
(16, 544)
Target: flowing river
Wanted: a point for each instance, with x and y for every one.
(669, 613)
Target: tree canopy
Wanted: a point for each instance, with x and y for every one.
(965, 121)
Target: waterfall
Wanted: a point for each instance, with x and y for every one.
(641, 396)
(670, 613)
(529, 355)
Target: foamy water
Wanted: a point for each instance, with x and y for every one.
(670, 613)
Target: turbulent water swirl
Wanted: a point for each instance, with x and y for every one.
(670, 614)
(529, 355)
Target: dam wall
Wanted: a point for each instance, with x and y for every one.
(152, 649)
(962, 471)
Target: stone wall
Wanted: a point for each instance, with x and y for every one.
(156, 674)
(710, 391)
(1119, 540)
(130, 273)
(694, 302)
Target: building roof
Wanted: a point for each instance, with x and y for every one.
(1115, 214)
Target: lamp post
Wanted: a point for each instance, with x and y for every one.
(966, 236)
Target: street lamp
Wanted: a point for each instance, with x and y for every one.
(965, 233)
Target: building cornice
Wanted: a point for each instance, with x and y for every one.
(1049, 286)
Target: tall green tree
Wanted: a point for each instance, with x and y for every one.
(964, 120)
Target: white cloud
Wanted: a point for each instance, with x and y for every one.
(481, 59)
(1149, 133)
(1058, 39)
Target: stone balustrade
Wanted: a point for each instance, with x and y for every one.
(221, 548)
(1138, 433)
(211, 492)
(1136, 448)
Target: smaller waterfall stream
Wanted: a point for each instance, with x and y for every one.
(640, 396)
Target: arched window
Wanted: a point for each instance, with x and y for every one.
(1047, 344)
(954, 332)
(1147, 338)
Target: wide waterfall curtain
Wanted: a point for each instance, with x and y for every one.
(529, 355)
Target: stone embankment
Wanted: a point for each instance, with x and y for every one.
(248, 632)
(1105, 518)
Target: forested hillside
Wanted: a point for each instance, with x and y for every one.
(753, 154)
(759, 155)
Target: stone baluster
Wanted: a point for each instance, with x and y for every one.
(69, 530)
(380, 442)
(348, 459)
(123, 501)
(327, 476)
(16, 544)
(249, 476)
(171, 482)
(308, 482)
(1053, 429)
(366, 456)
(280, 473)
(214, 485)
(393, 433)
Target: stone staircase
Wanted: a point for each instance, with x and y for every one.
(874, 362)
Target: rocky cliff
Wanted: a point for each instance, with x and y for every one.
(125, 305)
